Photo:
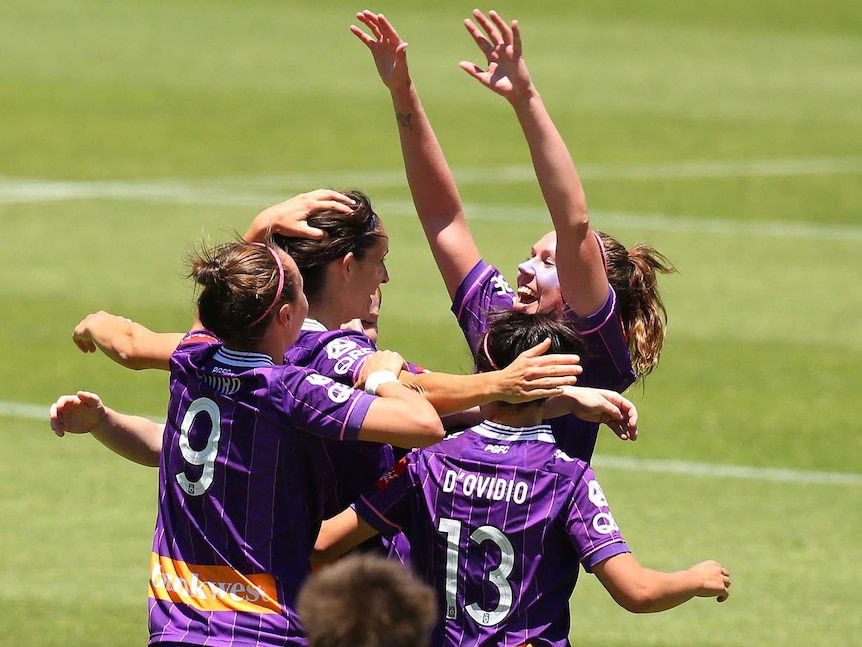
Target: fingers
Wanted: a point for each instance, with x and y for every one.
(89, 399)
(483, 43)
(84, 345)
(538, 349)
(329, 200)
(56, 424)
(490, 27)
(380, 27)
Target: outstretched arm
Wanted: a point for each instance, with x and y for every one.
(401, 416)
(643, 590)
(580, 268)
(532, 376)
(135, 438)
(435, 195)
(124, 341)
(597, 405)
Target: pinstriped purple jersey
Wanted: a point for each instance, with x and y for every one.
(499, 520)
(607, 366)
(243, 478)
(340, 354)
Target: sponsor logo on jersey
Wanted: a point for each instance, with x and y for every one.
(221, 383)
(397, 470)
(346, 352)
(500, 285)
(211, 588)
(335, 391)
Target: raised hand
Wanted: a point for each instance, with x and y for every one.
(387, 48)
(506, 72)
(289, 218)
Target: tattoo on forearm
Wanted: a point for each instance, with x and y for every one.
(404, 120)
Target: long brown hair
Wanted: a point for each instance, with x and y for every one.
(633, 274)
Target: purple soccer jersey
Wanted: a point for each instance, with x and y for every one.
(499, 519)
(358, 466)
(607, 366)
(242, 481)
(340, 354)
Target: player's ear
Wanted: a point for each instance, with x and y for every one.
(285, 314)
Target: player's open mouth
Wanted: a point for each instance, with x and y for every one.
(526, 295)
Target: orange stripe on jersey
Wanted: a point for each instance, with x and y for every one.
(212, 588)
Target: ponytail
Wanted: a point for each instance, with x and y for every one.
(633, 274)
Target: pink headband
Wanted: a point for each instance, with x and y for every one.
(280, 283)
(487, 354)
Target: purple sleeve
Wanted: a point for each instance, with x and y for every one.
(483, 290)
(326, 408)
(388, 509)
(608, 364)
(340, 354)
(591, 525)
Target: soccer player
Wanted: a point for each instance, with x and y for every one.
(243, 470)
(367, 601)
(499, 519)
(609, 293)
(339, 244)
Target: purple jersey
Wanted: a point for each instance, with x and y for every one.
(499, 518)
(358, 466)
(242, 479)
(608, 365)
(340, 354)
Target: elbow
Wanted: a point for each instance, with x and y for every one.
(641, 598)
(432, 431)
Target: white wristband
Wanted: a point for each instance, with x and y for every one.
(373, 381)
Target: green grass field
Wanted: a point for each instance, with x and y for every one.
(727, 134)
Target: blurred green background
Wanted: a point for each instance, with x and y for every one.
(726, 134)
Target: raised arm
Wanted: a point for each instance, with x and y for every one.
(432, 186)
(124, 341)
(580, 268)
(643, 590)
(135, 438)
(288, 218)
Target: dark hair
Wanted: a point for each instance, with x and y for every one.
(366, 601)
(633, 274)
(511, 332)
(355, 232)
(240, 284)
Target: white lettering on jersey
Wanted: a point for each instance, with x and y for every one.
(604, 523)
(336, 391)
(500, 285)
(497, 449)
(480, 486)
(597, 496)
(346, 352)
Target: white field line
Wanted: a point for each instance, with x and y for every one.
(210, 189)
(259, 191)
(36, 412)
